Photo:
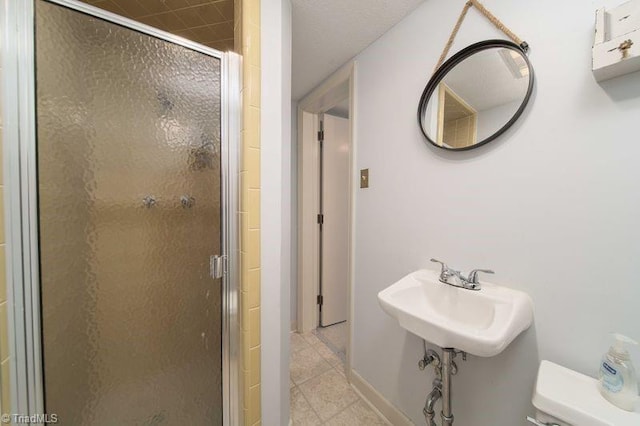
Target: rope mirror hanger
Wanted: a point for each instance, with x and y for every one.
(491, 17)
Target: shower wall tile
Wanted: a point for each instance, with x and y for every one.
(1, 150)
(253, 12)
(246, 30)
(2, 239)
(225, 45)
(237, 26)
(6, 389)
(244, 238)
(254, 375)
(244, 191)
(254, 405)
(223, 30)
(252, 87)
(246, 343)
(252, 160)
(246, 391)
(192, 17)
(169, 22)
(254, 208)
(251, 163)
(247, 335)
(1, 107)
(210, 22)
(254, 326)
(4, 338)
(131, 8)
(225, 7)
(252, 125)
(254, 288)
(251, 43)
(253, 250)
(244, 244)
(3, 274)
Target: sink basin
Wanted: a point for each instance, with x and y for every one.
(481, 323)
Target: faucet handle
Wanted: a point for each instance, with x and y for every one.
(444, 266)
(473, 275)
(445, 271)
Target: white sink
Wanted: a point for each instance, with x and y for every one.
(481, 322)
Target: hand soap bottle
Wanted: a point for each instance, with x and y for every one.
(618, 380)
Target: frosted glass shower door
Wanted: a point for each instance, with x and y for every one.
(129, 187)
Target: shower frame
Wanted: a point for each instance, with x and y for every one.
(21, 196)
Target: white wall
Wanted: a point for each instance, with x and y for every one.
(275, 214)
(492, 119)
(552, 206)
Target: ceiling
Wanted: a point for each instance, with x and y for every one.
(209, 22)
(485, 81)
(327, 33)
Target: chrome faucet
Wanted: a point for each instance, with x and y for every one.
(455, 278)
(448, 275)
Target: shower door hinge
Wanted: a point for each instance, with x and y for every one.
(320, 300)
(320, 219)
(217, 266)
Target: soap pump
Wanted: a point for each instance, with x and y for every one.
(618, 380)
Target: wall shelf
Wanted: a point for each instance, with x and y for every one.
(616, 47)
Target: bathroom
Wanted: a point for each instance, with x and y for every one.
(535, 205)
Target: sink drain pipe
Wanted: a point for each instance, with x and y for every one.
(444, 370)
(448, 370)
(429, 412)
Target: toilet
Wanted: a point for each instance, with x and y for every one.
(568, 398)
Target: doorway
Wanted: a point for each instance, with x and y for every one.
(127, 150)
(320, 359)
(325, 216)
(333, 259)
(334, 217)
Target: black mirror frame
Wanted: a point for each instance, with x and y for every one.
(455, 60)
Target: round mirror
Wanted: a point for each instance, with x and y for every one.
(476, 95)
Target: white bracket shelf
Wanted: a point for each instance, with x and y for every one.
(616, 48)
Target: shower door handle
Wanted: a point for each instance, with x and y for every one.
(217, 265)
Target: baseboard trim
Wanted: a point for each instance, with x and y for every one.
(378, 402)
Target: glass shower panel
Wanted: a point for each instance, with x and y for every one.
(129, 172)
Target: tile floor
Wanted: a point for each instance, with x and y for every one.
(320, 394)
(335, 337)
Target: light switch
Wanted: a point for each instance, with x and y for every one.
(364, 178)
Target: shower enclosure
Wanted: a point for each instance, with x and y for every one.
(123, 278)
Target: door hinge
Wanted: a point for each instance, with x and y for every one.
(320, 300)
(321, 135)
(217, 266)
(320, 219)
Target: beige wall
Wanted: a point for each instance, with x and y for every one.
(4, 340)
(247, 36)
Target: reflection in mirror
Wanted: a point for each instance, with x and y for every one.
(476, 95)
(457, 120)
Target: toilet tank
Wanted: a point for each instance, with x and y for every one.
(568, 398)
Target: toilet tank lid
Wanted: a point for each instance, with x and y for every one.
(575, 399)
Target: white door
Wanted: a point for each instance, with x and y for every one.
(335, 226)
